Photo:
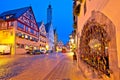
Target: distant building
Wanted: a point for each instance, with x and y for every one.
(49, 28)
(60, 45)
(43, 41)
(55, 39)
(18, 30)
(67, 47)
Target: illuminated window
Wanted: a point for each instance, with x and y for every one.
(26, 47)
(23, 35)
(30, 38)
(26, 36)
(8, 16)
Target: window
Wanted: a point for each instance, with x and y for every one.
(22, 45)
(27, 29)
(29, 37)
(31, 31)
(3, 24)
(26, 47)
(26, 36)
(20, 25)
(11, 23)
(30, 17)
(19, 34)
(17, 45)
(8, 16)
(32, 25)
(37, 33)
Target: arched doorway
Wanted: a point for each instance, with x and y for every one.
(98, 43)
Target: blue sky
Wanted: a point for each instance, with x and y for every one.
(62, 13)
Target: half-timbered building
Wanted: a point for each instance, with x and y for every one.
(42, 36)
(19, 30)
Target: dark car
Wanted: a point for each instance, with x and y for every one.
(49, 51)
(29, 52)
(37, 52)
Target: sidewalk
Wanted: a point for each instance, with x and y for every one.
(91, 73)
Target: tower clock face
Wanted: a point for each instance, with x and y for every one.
(94, 46)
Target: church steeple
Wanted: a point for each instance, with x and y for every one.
(49, 14)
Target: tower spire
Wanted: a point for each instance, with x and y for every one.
(49, 13)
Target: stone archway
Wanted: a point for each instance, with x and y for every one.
(98, 44)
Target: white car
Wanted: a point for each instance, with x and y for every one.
(4, 49)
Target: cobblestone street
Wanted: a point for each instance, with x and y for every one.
(42, 67)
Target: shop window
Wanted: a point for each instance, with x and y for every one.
(29, 37)
(26, 36)
(23, 35)
(26, 47)
(17, 45)
(19, 34)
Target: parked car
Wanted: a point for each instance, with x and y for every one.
(37, 52)
(29, 52)
(43, 51)
(4, 49)
(49, 51)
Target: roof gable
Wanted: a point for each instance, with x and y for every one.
(29, 19)
(42, 29)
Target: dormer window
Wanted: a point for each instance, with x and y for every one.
(8, 16)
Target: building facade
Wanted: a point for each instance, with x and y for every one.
(55, 40)
(97, 30)
(60, 46)
(43, 41)
(19, 30)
